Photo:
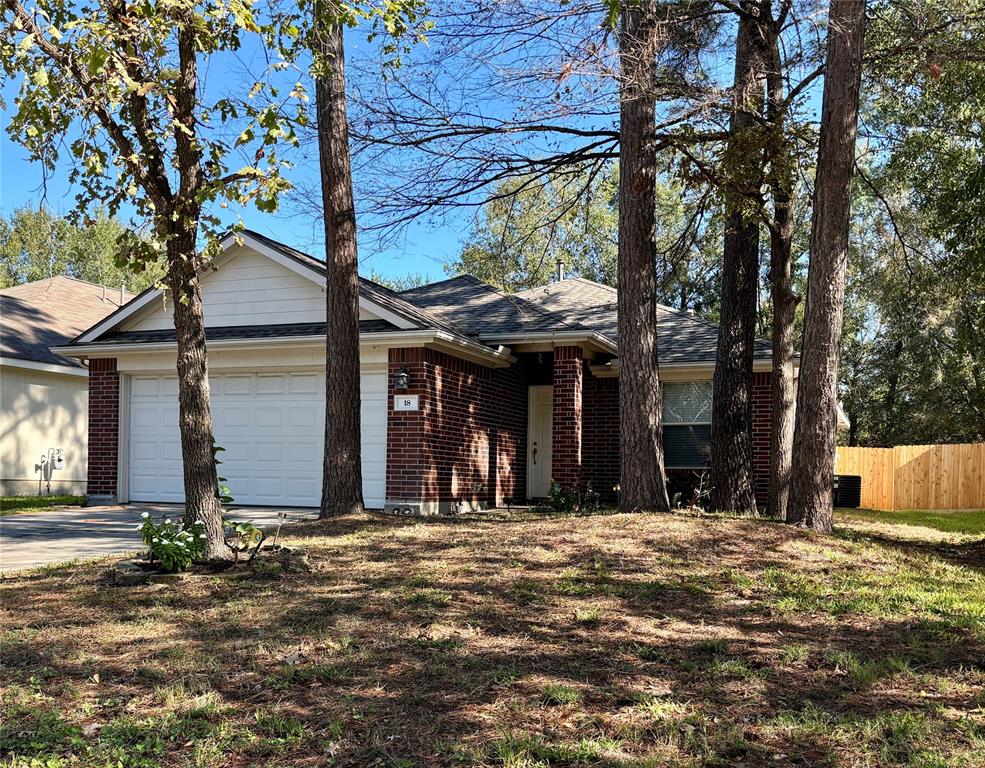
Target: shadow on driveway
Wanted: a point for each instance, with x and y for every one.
(46, 537)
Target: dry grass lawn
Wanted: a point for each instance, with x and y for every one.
(613, 640)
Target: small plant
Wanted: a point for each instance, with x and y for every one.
(246, 537)
(588, 617)
(592, 501)
(555, 694)
(172, 544)
(560, 501)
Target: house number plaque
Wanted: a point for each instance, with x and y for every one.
(406, 402)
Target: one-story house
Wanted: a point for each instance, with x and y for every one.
(44, 395)
(470, 397)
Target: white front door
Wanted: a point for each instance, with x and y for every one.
(271, 426)
(540, 432)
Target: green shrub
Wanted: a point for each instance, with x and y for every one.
(172, 544)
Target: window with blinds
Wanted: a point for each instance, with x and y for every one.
(687, 424)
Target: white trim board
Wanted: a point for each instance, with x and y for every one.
(34, 365)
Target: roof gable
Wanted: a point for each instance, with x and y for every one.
(376, 302)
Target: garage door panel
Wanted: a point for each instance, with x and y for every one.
(272, 429)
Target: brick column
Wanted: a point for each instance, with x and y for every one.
(104, 430)
(762, 419)
(566, 442)
(406, 459)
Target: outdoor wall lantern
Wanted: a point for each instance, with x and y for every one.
(401, 380)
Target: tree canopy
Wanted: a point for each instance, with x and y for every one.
(35, 244)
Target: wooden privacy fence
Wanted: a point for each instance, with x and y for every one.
(918, 476)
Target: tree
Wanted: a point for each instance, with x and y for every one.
(118, 84)
(815, 426)
(731, 431)
(519, 236)
(641, 475)
(35, 244)
(342, 485)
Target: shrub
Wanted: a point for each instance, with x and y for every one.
(173, 544)
(560, 501)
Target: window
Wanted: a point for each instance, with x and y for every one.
(687, 424)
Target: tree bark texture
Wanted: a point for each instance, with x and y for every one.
(784, 301)
(641, 475)
(202, 502)
(731, 438)
(816, 420)
(342, 486)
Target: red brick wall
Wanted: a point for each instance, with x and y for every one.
(508, 420)
(104, 427)
(468, 440)
(600, 436)
(568, 380)
(406, 463)
(762, 419)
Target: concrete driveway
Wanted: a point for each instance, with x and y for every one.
(48, 537)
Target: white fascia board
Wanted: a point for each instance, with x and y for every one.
(701, 369)
(115, 318)
(427, 337)
(551, 337)
(34, 365)
(480, 353)
(393, 338)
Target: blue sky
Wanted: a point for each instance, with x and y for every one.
(422, 248)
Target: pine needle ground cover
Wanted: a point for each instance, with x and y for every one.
(607, 640)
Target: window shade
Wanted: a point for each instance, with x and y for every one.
(687, 402)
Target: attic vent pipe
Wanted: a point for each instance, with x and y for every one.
(560, 269)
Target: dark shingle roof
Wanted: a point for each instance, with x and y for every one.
(480, 310)
(682, 338)
(285, 330)
(49, 313)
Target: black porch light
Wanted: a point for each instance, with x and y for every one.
(401, 380)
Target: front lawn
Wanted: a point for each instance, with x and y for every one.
(12, 505)
(946, 520)
(620, 640)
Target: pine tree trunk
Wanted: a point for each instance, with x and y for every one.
(731, 431)
(782, 383)
(784, 301)
(641, 476)
(342, 486)
(202, 503)
(816, 421)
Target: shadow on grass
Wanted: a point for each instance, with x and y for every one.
(432, 644)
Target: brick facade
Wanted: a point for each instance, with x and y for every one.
(600, 465)
(568, 380)
(467, 442)
(104, 428)
(600, 436)
(762, 420)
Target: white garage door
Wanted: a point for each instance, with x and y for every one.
(272, 427)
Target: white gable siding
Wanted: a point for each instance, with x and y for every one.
(247, 289)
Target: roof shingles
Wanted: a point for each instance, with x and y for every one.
(49, 313)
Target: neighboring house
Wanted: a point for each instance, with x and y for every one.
(470, 397)
(44, 396)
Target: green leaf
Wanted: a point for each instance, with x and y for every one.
(97, 59)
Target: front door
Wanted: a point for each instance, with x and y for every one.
(539, 440)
